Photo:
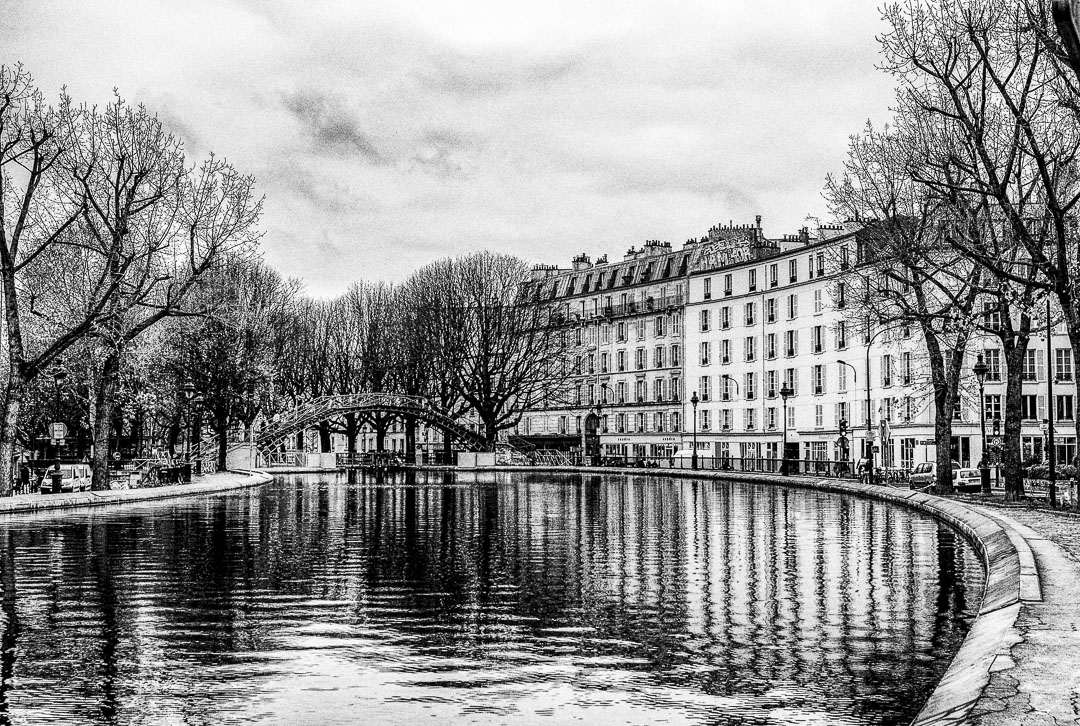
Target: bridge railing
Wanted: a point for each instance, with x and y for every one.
(281, 458)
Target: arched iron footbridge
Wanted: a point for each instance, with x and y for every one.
(317, 410)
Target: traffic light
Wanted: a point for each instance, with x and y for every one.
(997, 426)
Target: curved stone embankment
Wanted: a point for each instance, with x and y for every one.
(211, 484)
(1011, 580)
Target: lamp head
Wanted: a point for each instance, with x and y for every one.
(980, 369)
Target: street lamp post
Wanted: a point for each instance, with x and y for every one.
(189, 393)
(57, 477)
(196, 423)
(980, 369)
(785, 393)
(869, 424)
(842, 426)
(693, 456)
(1051, 453)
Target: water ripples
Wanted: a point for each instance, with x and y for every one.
(525, 599)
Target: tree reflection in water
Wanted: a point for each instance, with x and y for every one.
(482, 598)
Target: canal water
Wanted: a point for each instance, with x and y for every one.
(486, 599)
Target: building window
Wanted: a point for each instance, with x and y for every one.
(993, 364)
(791, 343)
(992, 404)
(659, 325)
(770, 346)
(841, 377)
(725, 388)
(841, 295)
(725, 419)
(705, 353)
(991, 315)
(792, 306)
(817, 338)
(821, 264)
(641, 391)
(750, 419)
(708, 288)
(818, 304)
(773, 276)
(725, 351)
(793, 271)
(841, 335)
(725, 317)
(1029, 408)
(770, 384)
(791, 380)
(1064, 407)
(658, 390)
(1033, 367)
(817, 378)
(675, 388)
(750, 348)
(770, 310)
(905, 368)
(605, 362)
(770, 418)
(675, 422)
(752, 280)
(706, 419)
(676, 322)
(886, 370)
(705, 387)
(727, 285)
(675, 356)
(1063, 367)
(819, 416)
(750, 317)
(750, 383)
(704, 315)
(641, 359)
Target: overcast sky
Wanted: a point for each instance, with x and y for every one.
(387, 134)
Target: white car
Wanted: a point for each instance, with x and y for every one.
(970, 480)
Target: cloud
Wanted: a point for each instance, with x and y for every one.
(333, 128)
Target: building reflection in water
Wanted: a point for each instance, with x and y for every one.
(482, 598)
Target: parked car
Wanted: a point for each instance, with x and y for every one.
(925, 474)
(75, 478)
(970, 480)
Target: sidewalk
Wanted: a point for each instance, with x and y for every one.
(1038, 680)
(211, 484)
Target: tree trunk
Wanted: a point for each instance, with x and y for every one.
(410, 438)
(104, 405)
(325, 443)
(222, 429)
(12, 406)
(944, 405)
(380, 432)
(352, 428)
(1011, 455)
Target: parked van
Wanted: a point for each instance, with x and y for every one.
(75, 478)
(925, 474)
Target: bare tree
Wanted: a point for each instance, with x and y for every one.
(904, 273)
(984, 86)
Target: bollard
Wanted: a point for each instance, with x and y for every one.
(57, 481)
